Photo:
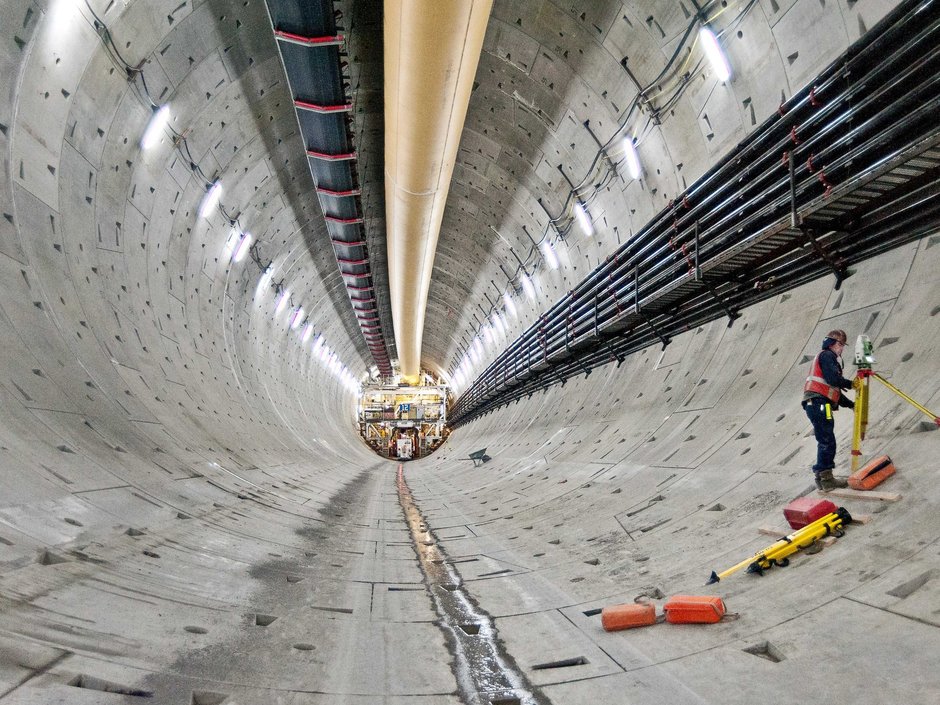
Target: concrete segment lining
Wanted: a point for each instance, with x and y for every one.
(173, 464)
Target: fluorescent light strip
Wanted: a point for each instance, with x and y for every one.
(633, 158)
(510, 305)
(528, 286)
(282, 302)
(584, 220)
(154, 131)
(242, 248)
(263, 281)
(211, 199)
(716, 57)
(548, 253)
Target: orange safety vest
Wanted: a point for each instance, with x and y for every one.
(816, 383)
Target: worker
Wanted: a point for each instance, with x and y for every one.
(822, 394)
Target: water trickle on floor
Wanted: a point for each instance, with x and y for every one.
(485, 673)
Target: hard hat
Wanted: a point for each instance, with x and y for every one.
(838, 335)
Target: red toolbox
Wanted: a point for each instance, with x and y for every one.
(627, 616)
(872, 474)
(694, 609)
(805, 510)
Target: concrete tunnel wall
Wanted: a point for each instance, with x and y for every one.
(175, 471)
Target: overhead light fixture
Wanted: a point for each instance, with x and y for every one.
(308, 331)
(716, 57)
(633, 158)
(584, 220)
(154, 131)
(211, 199)
(477, 348)
(488, 334)
(318, 343)
(548, 253)
(282, 302)
(231, 242)
(242, 248)
(527, 285)
(297, 319)
(266, 276)
(510, 304)
(498, 320)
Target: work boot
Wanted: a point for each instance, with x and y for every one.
(825, 481)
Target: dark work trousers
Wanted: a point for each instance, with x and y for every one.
(816, 410)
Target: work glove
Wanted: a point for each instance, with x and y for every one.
(847, 403)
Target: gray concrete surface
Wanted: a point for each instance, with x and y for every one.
(185, 509)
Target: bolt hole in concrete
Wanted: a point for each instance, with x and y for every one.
(101, 685)
(766, 650)
(563, 663)
(911, 586)
(196, 630)
(294, 578)
(263, 620)
(471, 628)
(151, 554)
(304, 647)
(49, 558)
(207, 697)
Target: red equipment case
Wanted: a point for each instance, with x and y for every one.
(627, 616)
(694, 609)
(805, 510)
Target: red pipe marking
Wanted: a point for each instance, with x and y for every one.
(343, 221)
(315, 108)
(310, 41)
(331, 192)
(331, 157)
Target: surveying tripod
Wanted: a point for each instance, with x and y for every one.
(864, 360)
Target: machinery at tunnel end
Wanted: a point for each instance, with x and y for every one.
(402, 421)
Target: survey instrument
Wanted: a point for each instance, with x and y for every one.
(865, 361)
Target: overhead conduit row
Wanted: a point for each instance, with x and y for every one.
(849, 169)
(311, 51)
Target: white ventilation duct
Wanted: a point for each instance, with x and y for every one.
(431, 53)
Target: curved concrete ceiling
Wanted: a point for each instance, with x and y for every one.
(185, 507)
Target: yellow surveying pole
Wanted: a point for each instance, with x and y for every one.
(860, 385)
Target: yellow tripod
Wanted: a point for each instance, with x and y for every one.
(860, 385)
(777, 552)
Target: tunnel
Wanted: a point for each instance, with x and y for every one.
(189, 312)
